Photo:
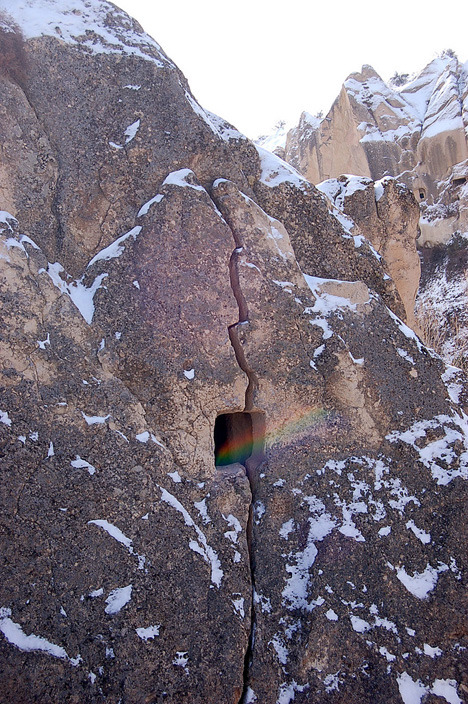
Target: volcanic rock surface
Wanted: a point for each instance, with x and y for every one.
(230, 471)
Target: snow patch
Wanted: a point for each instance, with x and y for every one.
(30, 643)
(4, 418)
(115, 249)
(146, 206)
(420, 583)
(113, 531)
(181, 178)
(79, 463)
(148, 633)
(275, 171)
(86, 26)
(117, 599)
(201, 547)
(95, 420)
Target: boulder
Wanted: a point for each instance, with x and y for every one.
(230, 472)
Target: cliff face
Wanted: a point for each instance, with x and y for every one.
(223, 479)
(416, 132)
(387, 214)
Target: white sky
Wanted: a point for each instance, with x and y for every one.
(255, 62)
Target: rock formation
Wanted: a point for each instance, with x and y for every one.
(417, 133)
(230, 472)
(387, 214)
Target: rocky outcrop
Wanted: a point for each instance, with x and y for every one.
(416, 132)
(230, 472)
(387, 214)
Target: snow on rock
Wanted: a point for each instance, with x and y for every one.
(201, 546)
(117, 599)
(120, 537)
(95, 420)
(15, 635)
(81, 295)
(116, 248)
(146, 206)
(148, 633)
(411, 691)
(446, 689)
(327, 302)
(7, 219)
(113, 531)
(220, 127)
(184, 178)
(42, 343)
(359, 624)
(286, 693)
(83, 24)
(233, 522)
(79, 463)
(295, 591)
(441, 456)
(419, 583)
(337, 189)
(5, 418)
(202, 510)
(175, 476)
(452, 380)
(130, 132)
(275, 171)
(419, 532)
(181, 659)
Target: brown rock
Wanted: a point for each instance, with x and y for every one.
(222, 480)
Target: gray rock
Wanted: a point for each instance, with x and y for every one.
(309, 549)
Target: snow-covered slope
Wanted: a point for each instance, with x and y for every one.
(93, 27)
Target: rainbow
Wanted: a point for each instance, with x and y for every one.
(296, 427)
(241, 445)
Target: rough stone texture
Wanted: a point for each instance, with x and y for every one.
(416, 132)
(386, 214)
(160, 289)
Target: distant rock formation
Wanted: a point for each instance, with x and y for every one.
(229, 470)
(417, 133)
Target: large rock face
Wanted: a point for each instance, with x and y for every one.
(416, 132)
(387, 214)
(223, 479)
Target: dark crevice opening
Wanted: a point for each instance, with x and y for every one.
(239, 438)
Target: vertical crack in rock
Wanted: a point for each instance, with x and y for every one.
(249, 652)
(233, 329)
(252, 462)
(236, 343)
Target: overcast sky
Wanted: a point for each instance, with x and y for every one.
(256, 62)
